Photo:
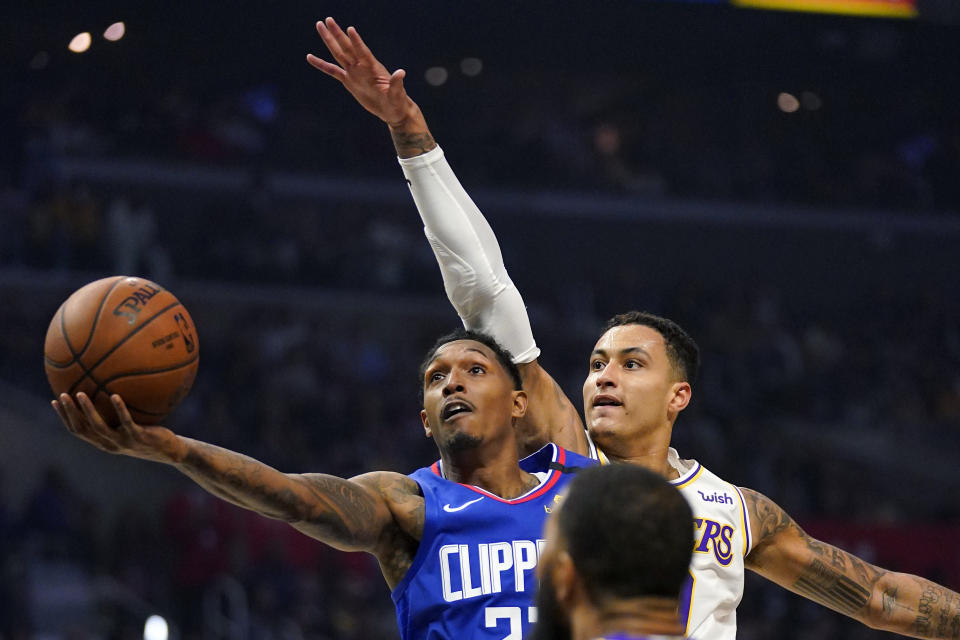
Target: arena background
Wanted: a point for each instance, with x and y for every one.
(786, 185)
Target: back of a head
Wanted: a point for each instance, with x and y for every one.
(628, 532)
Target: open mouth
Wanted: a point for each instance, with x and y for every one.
(455, 408)
(606, 401)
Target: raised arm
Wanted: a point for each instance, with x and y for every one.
(881, 599)
(376, 89)
(379, 512)
(474, 276)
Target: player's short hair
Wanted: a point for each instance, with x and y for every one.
(682, 350)
(503, 356)
(628, 532)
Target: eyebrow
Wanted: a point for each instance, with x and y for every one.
(435, 356)
(623, 352)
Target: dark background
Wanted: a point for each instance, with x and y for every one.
(629, 155)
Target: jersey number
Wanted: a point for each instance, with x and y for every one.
(514, 617)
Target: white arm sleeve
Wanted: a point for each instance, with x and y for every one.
(466, 249)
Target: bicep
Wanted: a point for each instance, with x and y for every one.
(551, 416)
(343, 513)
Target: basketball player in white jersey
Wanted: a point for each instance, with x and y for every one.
(638, 384)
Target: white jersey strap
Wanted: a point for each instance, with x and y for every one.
(745, 514)
(593, 452)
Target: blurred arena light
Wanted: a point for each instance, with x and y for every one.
(155, 629)
(436, 76)
(810, 101)
(471, 66)
(787, 102)
(81, 42)
(115, 31)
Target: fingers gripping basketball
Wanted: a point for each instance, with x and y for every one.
(127, 336)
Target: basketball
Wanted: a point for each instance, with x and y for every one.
(127, 336)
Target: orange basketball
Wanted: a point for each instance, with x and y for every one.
(123, 335)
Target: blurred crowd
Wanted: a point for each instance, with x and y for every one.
(632, 134)
(817, 111)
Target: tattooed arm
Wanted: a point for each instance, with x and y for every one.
(380, 512)
(881, 599)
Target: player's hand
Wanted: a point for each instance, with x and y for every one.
(84, 421)
(376, 89)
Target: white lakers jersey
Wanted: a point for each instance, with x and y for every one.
(721, 540)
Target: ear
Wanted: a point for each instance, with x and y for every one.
(565, 578)
(520, 402)
(681, 397)
(426, 423)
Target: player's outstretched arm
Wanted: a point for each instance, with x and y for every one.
(474, 276)
(352, 515)
(480, 289)
(881, 599)
(376, 89)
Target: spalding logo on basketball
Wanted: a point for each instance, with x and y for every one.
(123, 335)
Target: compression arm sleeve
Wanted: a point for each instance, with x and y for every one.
(466, 249)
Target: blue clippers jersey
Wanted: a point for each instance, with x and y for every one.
(473, 574)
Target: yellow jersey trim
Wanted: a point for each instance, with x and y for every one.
(691, 479)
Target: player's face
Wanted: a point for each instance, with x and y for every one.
(468, 397)
(631, 387)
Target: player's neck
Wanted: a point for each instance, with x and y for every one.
(649, 451)
(637, 616)
(499, 473)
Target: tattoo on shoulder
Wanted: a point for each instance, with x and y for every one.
(406, 502)
(767, 518)
(400, 542)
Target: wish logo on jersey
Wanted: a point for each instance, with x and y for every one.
(716, 496)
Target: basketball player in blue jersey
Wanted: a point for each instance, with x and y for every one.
(457, 542)
(639, 381)
(622, 580)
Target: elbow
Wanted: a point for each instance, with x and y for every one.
(883, 608)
